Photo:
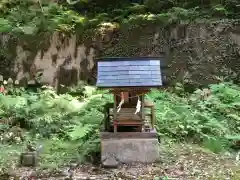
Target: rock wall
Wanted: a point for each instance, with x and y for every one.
(198, 54)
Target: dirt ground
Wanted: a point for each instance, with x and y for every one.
(180, 162)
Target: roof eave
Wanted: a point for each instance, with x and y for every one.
(128, 87)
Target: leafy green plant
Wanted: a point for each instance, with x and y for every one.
(204, 116)
(33, 17)
(47, 115)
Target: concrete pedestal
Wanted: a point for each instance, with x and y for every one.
(128, 147)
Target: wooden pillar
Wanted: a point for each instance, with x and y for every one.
(126, 97)
(115, 114)
(142, 111)
(107, 118)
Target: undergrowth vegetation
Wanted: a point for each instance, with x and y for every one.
(64, 125)
(209, 116)
(68, 128)
(33, 17)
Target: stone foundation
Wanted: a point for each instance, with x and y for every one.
(128, 148)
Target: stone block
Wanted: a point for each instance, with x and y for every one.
(129, 149)
(28, 159)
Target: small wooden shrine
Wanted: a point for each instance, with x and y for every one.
(130, 115)
(129, 79)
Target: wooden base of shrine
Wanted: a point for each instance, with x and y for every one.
(128, 147)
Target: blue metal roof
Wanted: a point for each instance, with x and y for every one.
(127, 72)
